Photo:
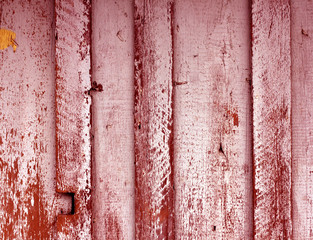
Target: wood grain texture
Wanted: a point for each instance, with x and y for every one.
(153, 120)
(73, 103)
(212, 131)
(28, 201)
(302, 121)
(112, 119)
(271, 65)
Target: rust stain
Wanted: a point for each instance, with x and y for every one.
(236, 120)
(7, 38)
(231, 115)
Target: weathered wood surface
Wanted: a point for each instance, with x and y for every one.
(302, 118)
(153, 120)
(271, 63)
(28, 200)
(187, 58)
(212, 133)
(73, 120)
(112, 120)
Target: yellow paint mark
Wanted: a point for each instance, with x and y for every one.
(7, 38)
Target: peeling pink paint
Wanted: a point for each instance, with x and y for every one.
(271, 81)
(154, 195)
(73, 117)
(183, 143)
(113, 171)
(212, 132)
(27, 170)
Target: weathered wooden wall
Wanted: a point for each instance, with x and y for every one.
(156, 119)
(302, 118)
(112, 118)
(73, 115)
(271, 84)
(212, 133)
(28, 200)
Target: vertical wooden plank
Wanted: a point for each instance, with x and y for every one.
(302, 121)
(73, 82)
(213, 162)
(27, 168)
(271, 118)
(153, 120)
(112, 119)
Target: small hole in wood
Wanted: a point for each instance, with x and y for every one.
(221, 148)
(67, 203)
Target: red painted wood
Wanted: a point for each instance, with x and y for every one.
(153, 120)
(271, 119)
(73, 103)
(28, 201)
(113, 120)
(302, 121)
(213, 162)
(192, 60)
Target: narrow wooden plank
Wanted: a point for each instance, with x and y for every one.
(302, 121)
(213, 157)
(73, 103)
(153, 120)
(27, 167)
(112, 119)
(271, 118)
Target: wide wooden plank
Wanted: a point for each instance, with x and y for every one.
(153, 120)
(112, 120)
(28, 201)
(73, 103)
(271, 118)
(302, 121)
(212, 131)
